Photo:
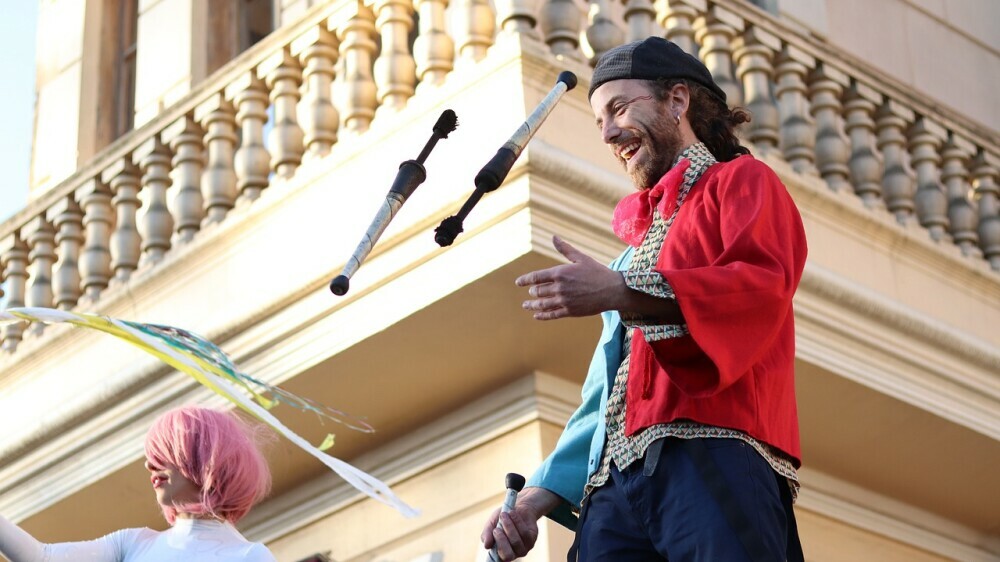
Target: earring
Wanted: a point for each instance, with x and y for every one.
(677, 118)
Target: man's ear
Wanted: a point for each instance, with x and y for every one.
(679, 99)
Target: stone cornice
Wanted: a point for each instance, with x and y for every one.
(850, 299)
(891, 349)
(867, 510)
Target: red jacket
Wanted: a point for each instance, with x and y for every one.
(734, 256)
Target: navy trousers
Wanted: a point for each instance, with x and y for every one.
(670, 506)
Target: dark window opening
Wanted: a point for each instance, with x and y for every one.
(256, 21)
(769, 6)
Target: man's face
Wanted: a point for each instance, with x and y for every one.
(639, 129)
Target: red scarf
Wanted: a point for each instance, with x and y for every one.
(634, 214)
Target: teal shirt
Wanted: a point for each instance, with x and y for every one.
(578, 452)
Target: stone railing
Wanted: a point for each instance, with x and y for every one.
(322, 79)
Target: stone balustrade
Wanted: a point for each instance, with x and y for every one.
(322, 78)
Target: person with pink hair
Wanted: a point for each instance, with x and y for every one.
(207, 471)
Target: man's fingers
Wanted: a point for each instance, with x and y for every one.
(567, 249)
(536, 277)
(551, 314)
(543, 304)
(551, 308)
(487, 536)
(503, 545)
(542, 291)
(513, 535)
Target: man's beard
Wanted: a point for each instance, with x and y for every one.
(662, 143)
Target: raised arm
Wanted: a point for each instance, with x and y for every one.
(19, 546)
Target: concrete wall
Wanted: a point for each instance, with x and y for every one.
(180, 42)
(290, 10)
(59, 84)
(946, 49)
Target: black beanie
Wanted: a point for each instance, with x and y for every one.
(651, 59)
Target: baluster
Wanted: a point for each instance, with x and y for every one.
(603, 32)
(67, 218)
(218, 180)
(832, 151)
(930, 202)
(357, 50)
(639, 17)
(283, 76)
(252, 161)
(184, 137)
(433, 48)
(962, 216)
(560, 22)
(517, 17)
(14, 258)
(155, 225)
(123, 177)
(475, 35)
(98, 216)
(677, 18)
(798, 130)
(41, 238)
(987, 192)
(317, 48)
(754, 50)
(395, 69)
(898, 182)
(715, 31)
(865, 163)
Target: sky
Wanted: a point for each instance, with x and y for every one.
(17, 101)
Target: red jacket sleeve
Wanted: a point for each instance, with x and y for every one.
(734, 259)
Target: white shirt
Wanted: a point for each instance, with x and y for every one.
(189, 540)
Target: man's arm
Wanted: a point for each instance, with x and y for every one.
(734, 272)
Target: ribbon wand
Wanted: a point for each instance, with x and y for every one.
(410, 175)
(493, 173)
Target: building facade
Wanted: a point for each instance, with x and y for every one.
(212, 165)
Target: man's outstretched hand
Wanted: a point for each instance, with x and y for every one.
(583, 287)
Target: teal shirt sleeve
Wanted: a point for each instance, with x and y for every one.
(578, 452)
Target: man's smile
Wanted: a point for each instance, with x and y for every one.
(628, 149)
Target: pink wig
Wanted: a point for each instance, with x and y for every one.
(216, 451)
